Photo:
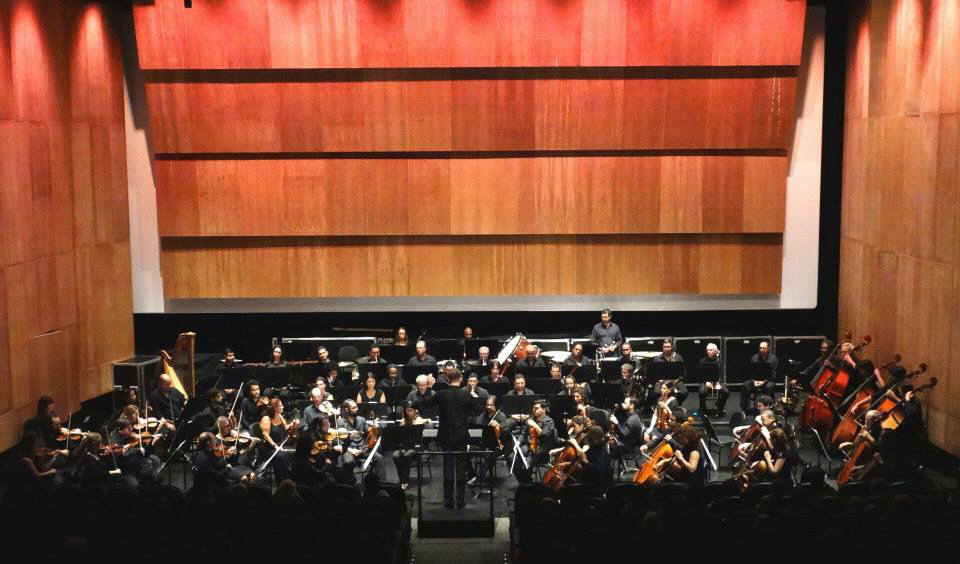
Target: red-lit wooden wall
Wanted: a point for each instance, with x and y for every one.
(470, 147)
(66, 309)
(900, 235)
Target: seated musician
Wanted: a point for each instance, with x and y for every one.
(323, 355)
(483, 354)
(320, 407)
(556, 371)
(355, 445)
(371, 393)
(331, 372)
(532, 359)
(33, 470)
(421, 358)
(669, 355)
(42, 423)
(873, 433)
(473, 386)
(492, 416)
(626, 355)
(759, 380)
(577, 357)
(277, 359)
(496, 375)
(545, 429)
(424, 389)
(687, 457)
(520, 386)
(813, 368)
(404, 459)
(779, 457)
(373, 356)
(767, 421)
(662, 417)
(392, 378)
(631, 430)
(239, 448)
(229, 360)
(708, 387)
(764, 404)
(596, 468)
(133, 459)
(95, 467)
(251, 408)
(210, 465)
(315, 456)
(570, 387)
(576, 427)
(216, 407)
(448, 372)
(165, 401)
(400, 337)
(273, 431)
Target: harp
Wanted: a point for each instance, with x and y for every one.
(179, 364)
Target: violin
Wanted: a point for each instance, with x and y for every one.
(373, 434)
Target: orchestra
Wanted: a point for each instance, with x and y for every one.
(552, 428)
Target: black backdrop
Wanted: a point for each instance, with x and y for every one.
(250, 334)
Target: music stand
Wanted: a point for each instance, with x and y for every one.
(543, 386)
(396, 354)
(278, 377)
(512, 405)
(379, 410)
(379, 369)
(498, 389)
(401, 437)
(533, 372)
(563, 406)
(473, 347)
(343, 393)
(230, 378)
(606, 394)
(397, 395)
(712, 434)
(480, 371)
(660, 371)
(610, 369)
(585, 373)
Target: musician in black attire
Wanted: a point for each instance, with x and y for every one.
(229, 360)
(531, 360)
(216, 408)
(496, 375)
(759, 380)
(311, 464)
(520, 386)
(392, 378)
(492, 417)
(251, 408)
(42, 423)
(456, 406)
(540, 423)
(630, 431)
(596, 469)
(606, 334)
(210, 469)
(813, 369)
(355, 445)
(373, 356)
(709, 376)
(165, 400)
(577, 358)
(671, 356)
(421, 358)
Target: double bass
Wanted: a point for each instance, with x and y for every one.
(856, 405)
(820, 409)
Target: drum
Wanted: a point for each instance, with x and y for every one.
(516, 348)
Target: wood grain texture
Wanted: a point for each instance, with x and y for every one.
(466, 33)
(64, 247)
(900, 264)
(436, 196)
(472, 115)
(206, 267)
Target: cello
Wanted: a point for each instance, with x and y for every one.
(830, 383)
(567, 465)
(856, 405)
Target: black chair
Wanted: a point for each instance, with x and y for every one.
(622, 493)
(854, 489)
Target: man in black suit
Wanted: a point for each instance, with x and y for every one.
(456, 406)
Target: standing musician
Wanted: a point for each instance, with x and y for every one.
(539, 425)
(671, 356)
(708, 387)
(273, 430)
(320, 407)
(759, 381)
(404, 459)
(606, 334)
(356, 448)
(252, 406)
(165, 401)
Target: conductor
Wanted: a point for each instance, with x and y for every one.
(456, 406)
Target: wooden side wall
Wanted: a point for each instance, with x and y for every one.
(65, 282)
(900, 249)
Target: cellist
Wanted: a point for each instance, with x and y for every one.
(861, 464)
(662, 417)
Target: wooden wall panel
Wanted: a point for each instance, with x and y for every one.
(543, 195)
(467, 33)
(64, 247)
(472, 115)
(387, 266)
(900, 264)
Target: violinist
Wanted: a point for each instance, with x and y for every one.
(371, 393)
(356, 445)
(34, 469)
(539, 426)
(210, 465)
(320, 407)
(42, 423)
(133, 459)
(252, 406)
(492, 417)
(238, 446)
(312, 463)
(95, 464)
(404, 459)
(273, 431)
